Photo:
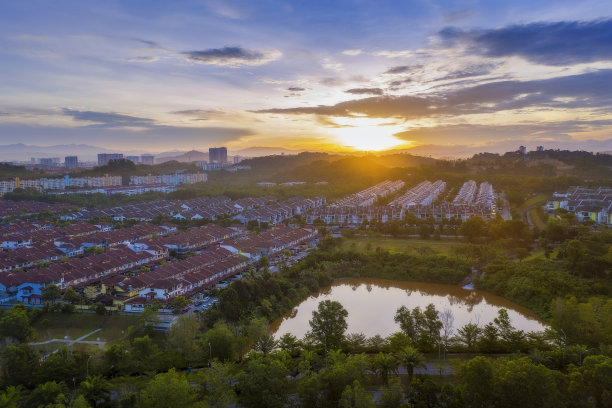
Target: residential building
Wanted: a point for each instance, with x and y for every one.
(217, 155)
(104, 158)
(133, 159)
(71, 162)
(147, 159)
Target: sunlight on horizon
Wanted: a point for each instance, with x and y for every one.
(368, 134)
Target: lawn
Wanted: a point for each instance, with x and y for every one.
(74, 325)
(537, 220)
(407, 245)
(539, 199)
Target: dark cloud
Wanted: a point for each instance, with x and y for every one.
(590, 90)
(365, 91)
(394, 85)
(149, 138)
(231, 56)
(296, 89)
(469, 71)
(148, 43)
(556, 43)
(402, 69)
(108, 119)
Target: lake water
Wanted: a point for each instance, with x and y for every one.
(372, 304)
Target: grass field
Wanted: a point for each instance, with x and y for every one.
(405, 245)
(537, 220)
(74, 325)
(539, 199)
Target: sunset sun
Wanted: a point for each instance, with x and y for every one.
(367, 134)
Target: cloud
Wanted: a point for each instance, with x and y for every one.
(402, 69)
(365, 91)
(296, 89)
(199, 114)
(352, 53)
(108, 119)
(394, 54)
(144, 60)
(232, 57)
(332, 81)
(548, 43)
(590, 90)
(148, 43)
(148, 138)
(394, 85)
(469, 71)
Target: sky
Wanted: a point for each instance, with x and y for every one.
(434, 77)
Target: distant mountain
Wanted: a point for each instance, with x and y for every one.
(85, 152)
(190, 156)
(263, 151)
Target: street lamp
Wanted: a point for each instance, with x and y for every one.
(210, 354)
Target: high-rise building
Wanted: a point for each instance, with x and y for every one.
(217, 155)
(133, 159)
(50, 161)
(522, 149)
(540, 148)
(71, 162)
(104, 158)
(147, 159)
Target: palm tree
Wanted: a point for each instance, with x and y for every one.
(410, 358)
(94, 389)
(10, 397)
(385, 364)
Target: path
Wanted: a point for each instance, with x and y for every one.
(71, 342)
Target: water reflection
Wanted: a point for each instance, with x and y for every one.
(372, 303)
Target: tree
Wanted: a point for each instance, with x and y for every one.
(476, 382)
(473, 228)
(520, 383)
(51, 292)
(182, 336)
(10, 397)
(410, 358)
(265, 344)
(71, 296)
(289, 343)
(95, 390)
(149, 318)
(328, 324)
(47, 394)
(592, 381)
(219, 342)
(178, 304)
(385, 364)
(217, 385)
(356, 397)
(264, 383)
(392, 396)
(469, 335)
(447, 319)
(15, 323)
(169, 390)
(18, 364)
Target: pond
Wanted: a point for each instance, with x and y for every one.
(372, 303)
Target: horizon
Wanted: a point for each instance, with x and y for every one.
(440, 79)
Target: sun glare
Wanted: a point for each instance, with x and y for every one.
(367, 134)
